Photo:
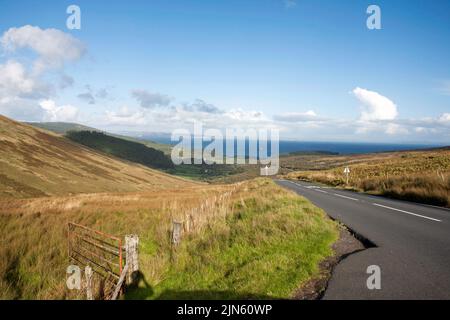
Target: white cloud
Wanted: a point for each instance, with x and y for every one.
(126, 116)
(53, 46)
(375, 106)
(168, 119)
(14, 80)
(423, 130)
(58, 113)
(241, 115)
(396, 129)
(297, 116)
(26, 91)
(327, 129)
(444, 118)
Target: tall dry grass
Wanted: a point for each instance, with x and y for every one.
(247, 237)
(419, 177)
(34, 231)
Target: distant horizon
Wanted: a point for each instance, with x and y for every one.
(138, 133)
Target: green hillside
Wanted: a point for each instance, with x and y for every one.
(121, 148)
(64, 127)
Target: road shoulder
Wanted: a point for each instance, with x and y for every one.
(315, 288)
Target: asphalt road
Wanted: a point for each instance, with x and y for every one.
(412, 244)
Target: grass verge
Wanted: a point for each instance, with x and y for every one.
(270, 244)
(419, 176)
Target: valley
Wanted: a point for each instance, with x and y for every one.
(242, 229)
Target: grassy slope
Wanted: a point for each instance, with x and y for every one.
(262, 242)
(34, 162)
(421, 176)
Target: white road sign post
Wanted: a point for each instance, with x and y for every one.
(347, 172)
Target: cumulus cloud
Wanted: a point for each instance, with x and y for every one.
(53, 46)
(375, 106)
(150, 100)
(26, 90)
(16, 82)
(54, 112)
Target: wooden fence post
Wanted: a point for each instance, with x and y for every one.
(176, 232)
(88, 276)
(132, 257)
(187, 223)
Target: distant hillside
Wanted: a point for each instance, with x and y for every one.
(64, 127)
(61, 127)
(121, 148)
(313, 153)
(35, 162)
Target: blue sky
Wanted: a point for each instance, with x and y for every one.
(311, 68)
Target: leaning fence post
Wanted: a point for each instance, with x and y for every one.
(132, 257)
(88, 276)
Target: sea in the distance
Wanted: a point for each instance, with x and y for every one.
(347, 147)
(287, 146)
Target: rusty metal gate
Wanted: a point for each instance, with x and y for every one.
(100, 251)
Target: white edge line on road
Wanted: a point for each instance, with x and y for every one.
(407, 212)
(340, 195)
(318, 190)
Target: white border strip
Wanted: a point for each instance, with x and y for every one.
(407, 212)
(345, 197)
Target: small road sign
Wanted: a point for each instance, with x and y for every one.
(347, 172)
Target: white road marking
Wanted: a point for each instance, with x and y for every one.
(407, 212)
(318, 190)
(340, 195)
